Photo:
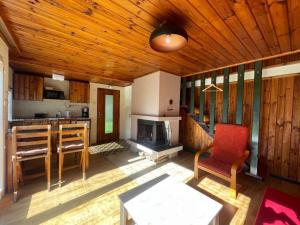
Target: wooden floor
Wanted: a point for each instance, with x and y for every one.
(95, 201)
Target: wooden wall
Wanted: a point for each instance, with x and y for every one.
(279, 144)
(197, 138)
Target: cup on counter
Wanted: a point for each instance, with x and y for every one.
(67, 114)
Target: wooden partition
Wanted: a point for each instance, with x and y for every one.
(279, 142)
(191, 135)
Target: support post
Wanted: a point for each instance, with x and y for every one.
(212, 106)
(225, 96)
(183, 92)
(240, 94)
(192, 101)
(201, 98)
(256, 117)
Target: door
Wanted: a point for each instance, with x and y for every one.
(108, 111)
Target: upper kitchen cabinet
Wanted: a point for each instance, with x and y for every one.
(79, 92)
(28, 87)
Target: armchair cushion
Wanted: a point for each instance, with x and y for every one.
(230, 143)
(216, 165)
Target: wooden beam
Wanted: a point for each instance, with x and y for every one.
(5, 32)
(192, 98)
(245, 62)
(256, 117)
(183, 92)
(272, 71)
(225, 96)
(201, 98)
(240, 94)
(212, 106)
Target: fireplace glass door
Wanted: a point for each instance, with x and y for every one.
(152, 133)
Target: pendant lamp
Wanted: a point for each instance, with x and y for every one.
(168, 38)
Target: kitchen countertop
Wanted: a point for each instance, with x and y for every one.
(49, 118)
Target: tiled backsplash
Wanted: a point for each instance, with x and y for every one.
(27, 109)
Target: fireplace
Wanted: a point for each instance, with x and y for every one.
(152, 133)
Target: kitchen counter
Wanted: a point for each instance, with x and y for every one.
(54, 122)
(49, 118)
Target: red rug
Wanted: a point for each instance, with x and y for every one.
(278, 208)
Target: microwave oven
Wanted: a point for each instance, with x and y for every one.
(52, 94)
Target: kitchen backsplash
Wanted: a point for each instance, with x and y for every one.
(27, 109)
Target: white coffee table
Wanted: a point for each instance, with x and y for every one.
(165, 201)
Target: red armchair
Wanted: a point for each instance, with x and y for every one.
(228, 154)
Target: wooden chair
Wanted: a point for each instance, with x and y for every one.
(28, 143)
(228, 154)
(73, 138)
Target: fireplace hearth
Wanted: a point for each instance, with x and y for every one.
(152, 133)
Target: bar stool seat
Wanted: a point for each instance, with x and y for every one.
(32, 150)
(71, 145)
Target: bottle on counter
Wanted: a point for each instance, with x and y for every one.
(58, 114)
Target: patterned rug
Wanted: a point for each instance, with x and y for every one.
(108, 148)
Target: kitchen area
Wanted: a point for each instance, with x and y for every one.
(36, 100)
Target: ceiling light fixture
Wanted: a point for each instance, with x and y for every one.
(109, 86)
(168, 38)
(58, 77)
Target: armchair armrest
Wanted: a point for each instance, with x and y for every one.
(239, 162)
(200, 151)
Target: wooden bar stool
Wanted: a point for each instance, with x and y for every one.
(28, 143)
(73, 138)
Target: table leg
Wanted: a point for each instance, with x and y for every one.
(124, 215)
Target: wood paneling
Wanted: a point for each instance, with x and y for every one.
(279, 143)
(279, 16)
(28, 87)
(108, 41)
(79, 92)
(294, 157)
(197, 138)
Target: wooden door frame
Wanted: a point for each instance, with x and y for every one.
(117, 134)
(4, 119)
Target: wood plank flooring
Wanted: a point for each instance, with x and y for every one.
(95, 201)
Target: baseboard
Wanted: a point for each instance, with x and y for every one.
(285, 179)
(254, 176)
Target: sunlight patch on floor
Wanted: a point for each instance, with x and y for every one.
(136, 166)
(136, 159)
(101, 207)
(107, 147)
(178, 172)
(221, 191)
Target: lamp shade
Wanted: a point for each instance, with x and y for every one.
(168, 38)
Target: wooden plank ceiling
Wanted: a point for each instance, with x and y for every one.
(108, 40)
